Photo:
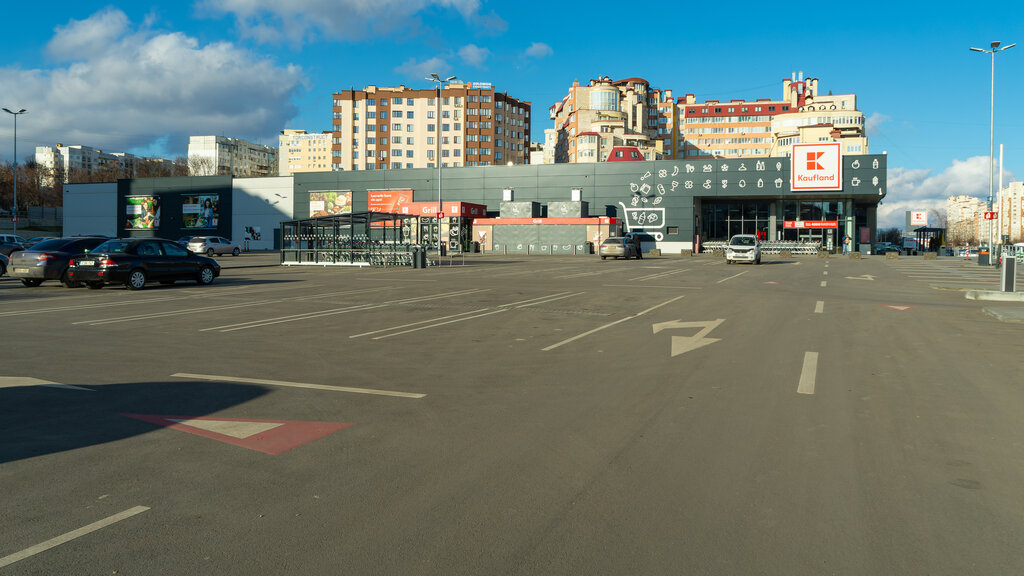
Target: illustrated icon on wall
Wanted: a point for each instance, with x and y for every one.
(760, 183)
(675, 170)
(875, 164)
(760, 165)
(690, 168)
(724, 167)
(662, 173)
(778, 182)
(855, 165)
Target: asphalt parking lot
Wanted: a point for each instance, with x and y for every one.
(516, 415)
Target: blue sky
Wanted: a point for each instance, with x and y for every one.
(141, 77)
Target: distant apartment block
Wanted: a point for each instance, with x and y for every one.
(83, 161)
(590, 120)
(1011, 213)
(379, 128)
(219, 155)
(963, 219)
(300, 151)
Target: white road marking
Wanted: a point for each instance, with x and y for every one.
(819, 307)
(88, 306)
(824, 283)
(415, 323)
(731, 277)
(658, 275)
(650, 286)
(441, 324)
(808, 374)
(173, 313)
(240, 430)
(684, 344)
(549, 299)
(64, 538)
(599, 328)
(211, 378)
(16, 381)
(825, 273)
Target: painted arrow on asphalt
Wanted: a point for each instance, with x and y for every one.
(684, 344)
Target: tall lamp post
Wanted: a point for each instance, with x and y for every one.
(440, 209)
(991, 132)
(14, 208)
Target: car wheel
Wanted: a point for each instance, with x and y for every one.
(206, 275)
(236, 252)
(31, 282)
(136, 280)
(209, 252)
(94, 285)
(68, 282)
(604, 257)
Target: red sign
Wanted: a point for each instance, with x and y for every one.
(440, 214)
(991, 215)
(816, 167)
(810, 224)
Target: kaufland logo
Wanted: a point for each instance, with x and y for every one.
(817, 167)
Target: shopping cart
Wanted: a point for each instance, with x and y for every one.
(645, 220)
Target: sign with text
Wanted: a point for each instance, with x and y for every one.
(810, 224)
(816, 167)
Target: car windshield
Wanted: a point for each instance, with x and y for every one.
(112, 247)
(52, 244)
(742, 241)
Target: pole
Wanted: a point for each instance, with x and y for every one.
(991, 137)
(14, 208)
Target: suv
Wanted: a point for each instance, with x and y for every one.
(743, 248)
(211, 245)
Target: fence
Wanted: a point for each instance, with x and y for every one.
(771, 247)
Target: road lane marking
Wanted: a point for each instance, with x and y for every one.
(599, 328)
(731, 277)
(819, 307)
(808, 374)
(415, 323)
(64, 538)
(658, 275)
(441, 324)
(88, 306)
(549, 299)
(824, 283)
(825, 273)
(173, 313)
(18, 381)
(211, 378)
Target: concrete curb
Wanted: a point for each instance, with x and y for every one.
(995, 296)
(1005, 314)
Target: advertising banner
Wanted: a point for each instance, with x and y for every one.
(142, 213)
(918, 218)
(810, 224)
(329, 202)
(387, 201)
(816, 167)
(201, 211)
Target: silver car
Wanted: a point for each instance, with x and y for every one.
(211, 245)
(618, 247)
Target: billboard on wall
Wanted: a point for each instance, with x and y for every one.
(329, 202)
(142, 212)
(387, 201)
(200, 211)
(816, 167)
(916, 218)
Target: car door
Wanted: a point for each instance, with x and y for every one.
(182, 264)
(152, 260)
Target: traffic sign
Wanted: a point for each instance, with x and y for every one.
(440, 214)
(991, 215)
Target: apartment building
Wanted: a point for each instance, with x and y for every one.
(964, 220)
(301, 151)
(380, 128)
(1010, 205)
(220, 155)
(84, 160)
(591, 120)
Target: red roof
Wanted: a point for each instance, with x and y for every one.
(625, 154)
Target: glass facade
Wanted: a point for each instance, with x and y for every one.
(722, 219)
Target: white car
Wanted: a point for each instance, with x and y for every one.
(743, 248)
(211, 245)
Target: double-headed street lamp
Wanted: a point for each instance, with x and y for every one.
(440, 209)
(991, 137)
(14, 208)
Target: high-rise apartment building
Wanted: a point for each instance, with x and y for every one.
(1010, 207)
(381, 128)
(591, 120)
(83, 160)
(213, 155)
(299, 151)
(963, 219)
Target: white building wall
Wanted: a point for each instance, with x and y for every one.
(90, 209)
(260, 203)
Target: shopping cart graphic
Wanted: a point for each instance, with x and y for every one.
(644, 219)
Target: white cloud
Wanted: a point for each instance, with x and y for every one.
(419, 70)
(916, 189)
(539, 50)
(873, 123)
(122, 89)
(474, 55)
(299, 20)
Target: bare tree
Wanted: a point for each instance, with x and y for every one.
(891, 235)
(201, 166)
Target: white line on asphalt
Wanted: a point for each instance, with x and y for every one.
(825, 273)
(808, 374)
(549, 299)
(824, 283)
(731, 277)
(172, 313)
(535, 299)
(415, 323)
(209, 377)
(441, 324)
(819, 307)
(19, 381)
(659, 275)
(599, 328)
(64, 538)
(650, 286)
(88, 306)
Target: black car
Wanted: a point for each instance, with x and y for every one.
(48, 260)
(135, 261)
(3, 264)
(8, 248)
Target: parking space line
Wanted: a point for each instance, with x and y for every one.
(544, 300)
(819, 307)
(731, 277)
(88, 306)
(824, 284)
(657, 275)
(415, 323)
(172, 313)
(376, 392)
(64, 538)
(442, 323)
(808, 374)
(599, 328)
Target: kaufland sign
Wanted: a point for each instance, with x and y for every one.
(817, 167)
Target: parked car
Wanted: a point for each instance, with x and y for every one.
(885, 247)
(48, 260)
(11, 243)
(3, 264)
(618, 247)
(36, 240)
(743, 248)
(136, 261)
(211, 245)
(183, 241)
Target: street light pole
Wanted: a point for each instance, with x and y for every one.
(991, 134)
(14, 208)
(440, 208)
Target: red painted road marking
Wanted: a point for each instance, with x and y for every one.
(900, 308)
(267, 436)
